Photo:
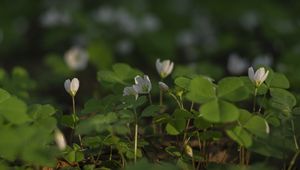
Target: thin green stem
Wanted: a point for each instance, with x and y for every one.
(186, 130)
(295, 137)
(260, 107)
(160, 97)
(135, 141)
(150, 98)
(110, 154)
(178, 102)
(293, 161)
(254, 100)
(136, 135)
(74, 119)
(200, 148)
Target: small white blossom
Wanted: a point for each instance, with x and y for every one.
(130, 91)
(142, 85)
(164, 68)
(259, 76)
(163, 86)
(60, 140)
(236, 65)
(72, 86)
(76, 58)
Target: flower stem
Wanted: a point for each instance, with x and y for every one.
(295, 138)
(150, 99)
(254, 100)
(135, 135)
(294, 160)
(178, 102)
(135, 141)
(160, 97)
(74, 119)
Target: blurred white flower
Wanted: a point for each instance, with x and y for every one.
(142, 85)
(72, 86)
(163, 86)
(164, 68)
(76, 58)
(265, 60)
(126, 21)
(124, 46)
(249, 20)
(186, 38)
(60, 140)
(259, 76)
(105, 15)
(236, 65)
(150, 23)
(128, 91)
(54, 17)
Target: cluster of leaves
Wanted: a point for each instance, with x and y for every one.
(200, 124)
(26, 133)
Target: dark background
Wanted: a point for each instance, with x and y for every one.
(198, 36)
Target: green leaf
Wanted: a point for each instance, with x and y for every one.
(201, 90)
(240, 135)
(183, 82)
(282, 100)
(257, 126)
(174, 151)
(14, 110)
(182, 114)
(176, 126)
(232, 89)
(201, 123)
(210, 135)
(125, 72)
(150, 111)
(278, 80)
(40, 111)
(219, 111)
(4, 95)
(121, 73)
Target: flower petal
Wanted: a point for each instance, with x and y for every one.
(74, 86)
(251, 74)
(67, 86)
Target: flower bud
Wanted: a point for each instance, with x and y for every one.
(164, 68)
(72, 86)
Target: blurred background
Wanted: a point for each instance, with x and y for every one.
(39, 39)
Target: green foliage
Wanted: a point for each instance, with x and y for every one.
(232, 89)
(219, 111)
(121, 73)
(26, 134)
(201, 90)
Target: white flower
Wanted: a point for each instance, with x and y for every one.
(259, 76)
(60, 140)
(76, 58)
(164, 68)
(236, 65)
(130, 91)
(163, 86)
(72, 86)
(142, 85)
